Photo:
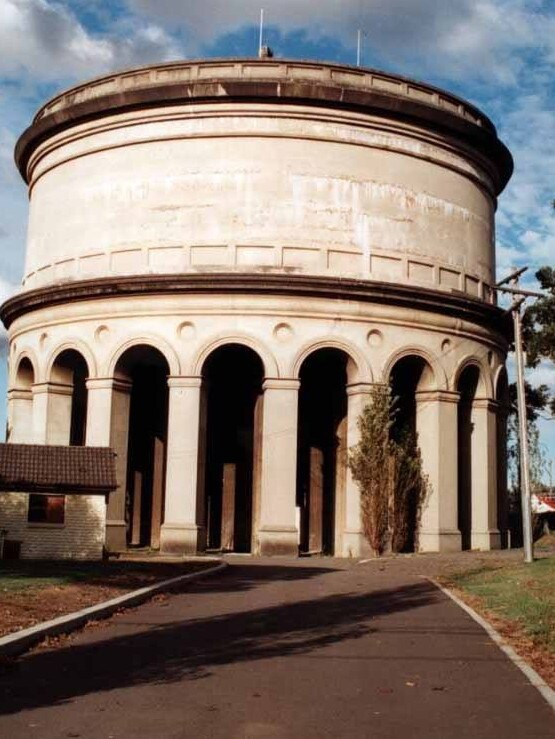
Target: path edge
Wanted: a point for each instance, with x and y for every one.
(18, 642)
(531, 675)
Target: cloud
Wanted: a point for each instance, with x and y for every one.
(46, 40)
(448, 37)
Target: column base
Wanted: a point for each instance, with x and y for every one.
(116, 536)
(179, 538)
(282, 542)
(485, 540)
(354, 544)
(439, 541)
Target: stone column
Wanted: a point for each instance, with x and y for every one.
(502, 492)
(108, 405)
(277, 532)
(52, 413)
(354, 544)
(436, 426)
(183, 530)
(20, 416)
(98, 432)
(99, 409)
(485, 533)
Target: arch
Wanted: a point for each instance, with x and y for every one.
(139, 438)
(484, 387)
(233, 375)
(359, 371)
(438, 372)
(67, 370)
(155, 342)
(19, 425)
(502, 397)
(268, 360)
(75, 345)
(24, 376)
(500, 383)
(325, 373)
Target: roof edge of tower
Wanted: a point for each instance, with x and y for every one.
(269, 80)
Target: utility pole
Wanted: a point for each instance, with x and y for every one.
(519, 296)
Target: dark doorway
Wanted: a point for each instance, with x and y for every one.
(321, 448)
(233, 377)
(408, 376)
(70, 368)
(147, 370)
(503, 406)
(467, 385)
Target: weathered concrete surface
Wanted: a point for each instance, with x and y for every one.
(321, 648)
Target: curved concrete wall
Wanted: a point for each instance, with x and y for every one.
(261, 185)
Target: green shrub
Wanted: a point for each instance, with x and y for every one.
(389, 474)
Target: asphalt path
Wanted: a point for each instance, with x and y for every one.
(279, 648)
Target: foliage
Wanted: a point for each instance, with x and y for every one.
(539, 324)
(410, 489)
(369, 462)
(389, 473)
(536, 456)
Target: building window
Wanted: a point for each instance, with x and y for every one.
(46, 509)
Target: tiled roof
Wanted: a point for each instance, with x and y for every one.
(36, 468)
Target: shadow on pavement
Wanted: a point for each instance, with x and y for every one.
(189, 649)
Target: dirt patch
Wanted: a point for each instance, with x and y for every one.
(29, 597)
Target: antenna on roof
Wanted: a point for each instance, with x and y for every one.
(359, 47)
(261, 37)
(264, 52)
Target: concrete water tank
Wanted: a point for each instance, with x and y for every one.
(222, 257)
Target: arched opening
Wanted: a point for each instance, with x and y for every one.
(69, 371)
(467, 386)
(409, 377)
(322, 442)
(503, 404)
(140, 419)
(20, 416)
(25, 375)
(232, 382)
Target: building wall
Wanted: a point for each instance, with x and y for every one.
(81, 536)
(203, 170)
(283, 331)
(269, 186)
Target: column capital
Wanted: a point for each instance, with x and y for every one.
(184, 381)
(281, 383)
(437, 396)
(56, 388)
(486, 403)
(360, 388)
(108, 383)
(19, 393)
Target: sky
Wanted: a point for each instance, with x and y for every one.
(498, 54)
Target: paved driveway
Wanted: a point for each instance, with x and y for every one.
(300, 648)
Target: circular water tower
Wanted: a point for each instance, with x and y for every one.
(223, 257)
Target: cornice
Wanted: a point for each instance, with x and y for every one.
(331, 288)
(313, 83)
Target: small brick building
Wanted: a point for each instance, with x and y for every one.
(59, 511)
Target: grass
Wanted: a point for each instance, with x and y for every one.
(17, 576)
(22, 575)
(32, 592)
(521, 593)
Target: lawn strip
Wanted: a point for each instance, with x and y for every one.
(34, 592)
(518, 600)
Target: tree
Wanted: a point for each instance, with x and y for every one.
(538, 326)
(389, 473)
